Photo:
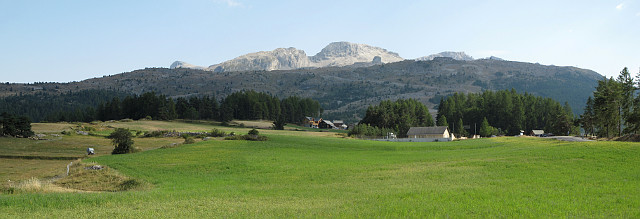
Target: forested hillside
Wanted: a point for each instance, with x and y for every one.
(346, 92)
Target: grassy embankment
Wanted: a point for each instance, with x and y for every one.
(301, 174)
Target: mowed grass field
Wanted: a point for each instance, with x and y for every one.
(310, 174)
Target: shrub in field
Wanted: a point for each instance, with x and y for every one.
(188, 139)
(279, 123)
(253, 135)
(122, 141)
(217, 133)
(247, 137)
(155, 133)
(11, 125)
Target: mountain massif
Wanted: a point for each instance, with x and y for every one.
(335, 54)
(347, 84)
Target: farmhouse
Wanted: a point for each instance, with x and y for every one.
(325, 124)
(537, 133)
(339, 124)
(310, 122)
(435, 132)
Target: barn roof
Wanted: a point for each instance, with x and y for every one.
(434, 130)
(537, 132)
(329, 123)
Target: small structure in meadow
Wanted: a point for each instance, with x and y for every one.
(424, 134)
(537, 133)
(429, 132)
(434, 133)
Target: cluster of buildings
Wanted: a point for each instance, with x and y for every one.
(423, 134)
(324, 124)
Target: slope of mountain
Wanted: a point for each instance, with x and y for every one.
(345, 92)
(453, 55)
(335, 54)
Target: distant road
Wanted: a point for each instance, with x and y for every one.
(570, 138)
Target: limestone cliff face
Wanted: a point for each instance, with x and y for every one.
(335, 54)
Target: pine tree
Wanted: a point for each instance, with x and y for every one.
(607, 107)
(587, 118)
(627, 90)
(460, 129)
(443, 121)
(485, 128)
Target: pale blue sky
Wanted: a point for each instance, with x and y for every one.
(44, 40)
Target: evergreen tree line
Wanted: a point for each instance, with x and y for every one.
(70, 106)
(245, 105)
(504, 112)
(14, 126)
(397, 116)
(614, 109)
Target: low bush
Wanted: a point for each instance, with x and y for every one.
(217, 133)
(155, 134)
(188, 139)
(247, 137)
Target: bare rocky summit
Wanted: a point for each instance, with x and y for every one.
(345, 53)
(454, 55)
(180, 64)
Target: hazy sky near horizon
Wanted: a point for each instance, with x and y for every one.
(61, 41)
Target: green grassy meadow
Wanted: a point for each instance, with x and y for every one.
(310, 174)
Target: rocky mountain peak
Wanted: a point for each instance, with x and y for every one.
(454, 55)
(181, 64)
(495, 58)
(346, 53)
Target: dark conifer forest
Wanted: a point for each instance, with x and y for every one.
(496, 112)
(90, 105)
